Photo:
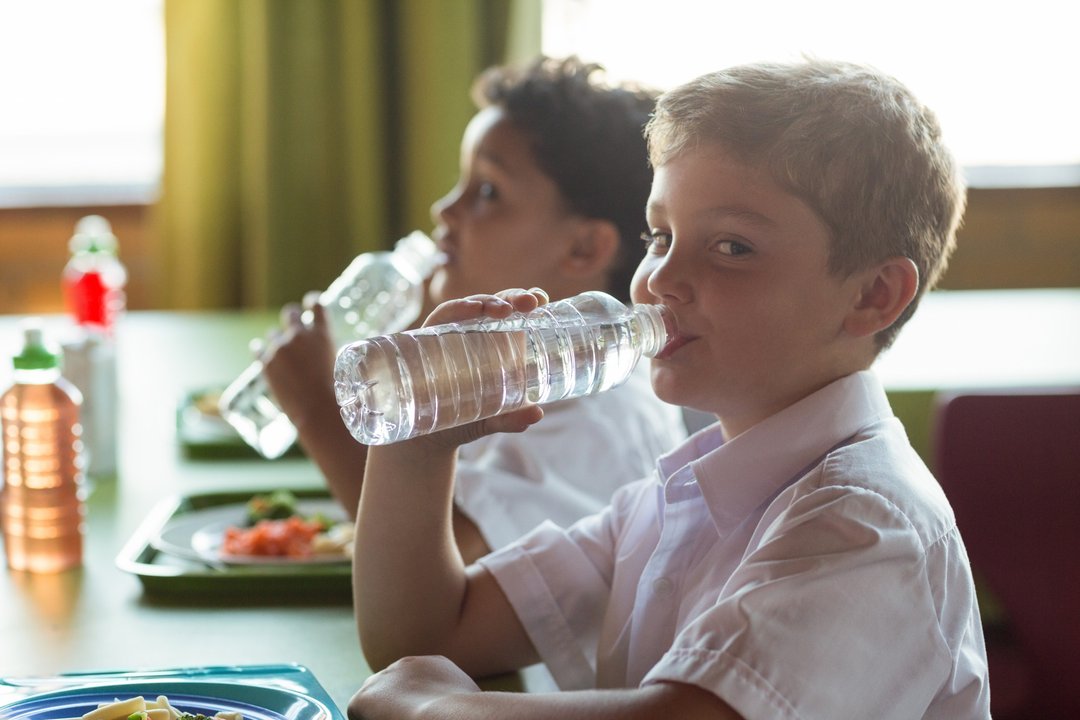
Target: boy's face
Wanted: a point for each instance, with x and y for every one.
(505, 224)
(743, 265)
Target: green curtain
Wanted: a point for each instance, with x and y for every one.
(301, 133)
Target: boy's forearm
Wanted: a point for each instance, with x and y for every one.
(340, 458)
(655, 701)
(408, 576)
(405, 692)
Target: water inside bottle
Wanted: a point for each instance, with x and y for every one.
(251, 409)
(394, 387)
(378, 292)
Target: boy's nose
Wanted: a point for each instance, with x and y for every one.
(437, 208)
(668, 278)
(441, 209)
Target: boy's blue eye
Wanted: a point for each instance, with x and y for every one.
(486, 191)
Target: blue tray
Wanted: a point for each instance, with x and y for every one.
(258, 692)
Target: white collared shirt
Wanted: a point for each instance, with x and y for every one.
(809, 568)
(557, 470)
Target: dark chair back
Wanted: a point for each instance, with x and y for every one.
(1010, 465)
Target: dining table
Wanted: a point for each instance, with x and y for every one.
(113, 614)
(129, 609)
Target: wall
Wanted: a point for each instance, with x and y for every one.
(1010, 238)
(1018, 238)
(34, 249)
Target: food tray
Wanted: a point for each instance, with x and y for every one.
(280, 690)
(204, 435)
(168, 576)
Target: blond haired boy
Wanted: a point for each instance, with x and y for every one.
(794, 560)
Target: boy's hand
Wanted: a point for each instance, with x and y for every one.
(498, 306)
(298, 361)
(407, 687)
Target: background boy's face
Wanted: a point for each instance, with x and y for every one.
(743, 265)
(505, 224)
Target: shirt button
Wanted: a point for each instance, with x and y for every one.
(663, 586)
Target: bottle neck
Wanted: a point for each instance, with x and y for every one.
(419, 252)
(40, 376)
(656, 327)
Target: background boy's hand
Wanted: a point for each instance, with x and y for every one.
(298, 361)
(407, 687)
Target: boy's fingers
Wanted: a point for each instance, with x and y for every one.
(289, 315)
(310, 299)
(469, 308)
(512, 422)
(499, 305)
(314, 314)
(524, 300)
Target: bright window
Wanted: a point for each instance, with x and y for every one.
(83, 88)
(1002, 76)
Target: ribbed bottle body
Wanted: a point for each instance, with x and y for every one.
(42, 499)
(395, 387)
(379, 292)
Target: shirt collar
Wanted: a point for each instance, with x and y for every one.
(737, 476)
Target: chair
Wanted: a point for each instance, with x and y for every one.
(1010, 464)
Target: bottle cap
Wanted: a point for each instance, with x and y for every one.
(93, 234)
(36, 354)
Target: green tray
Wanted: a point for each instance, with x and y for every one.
(204, 435)
(167, 576)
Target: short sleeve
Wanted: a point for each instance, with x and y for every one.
(559, 582)
(830, 615)
(566, 466)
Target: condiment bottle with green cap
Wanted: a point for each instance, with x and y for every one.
(41, 504)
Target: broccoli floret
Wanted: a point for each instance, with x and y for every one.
(277, 505)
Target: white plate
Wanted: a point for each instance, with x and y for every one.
(199, 535)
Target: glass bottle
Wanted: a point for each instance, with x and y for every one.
(42, 500)
(379, 292)
(394, 387)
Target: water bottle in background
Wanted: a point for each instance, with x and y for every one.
(93, 283)
(42, 500)
(394, 387)
(379, 292)
(94, 278)
(89, 363)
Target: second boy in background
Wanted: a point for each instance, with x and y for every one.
(553, 181)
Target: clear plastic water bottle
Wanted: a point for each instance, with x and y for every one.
(42, 500)
(394, 387)
(93, 282)
(379, 292)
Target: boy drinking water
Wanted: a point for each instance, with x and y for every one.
(554, 172)
(795, 559)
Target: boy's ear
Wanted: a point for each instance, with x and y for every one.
(593, 250)
(884, 291)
